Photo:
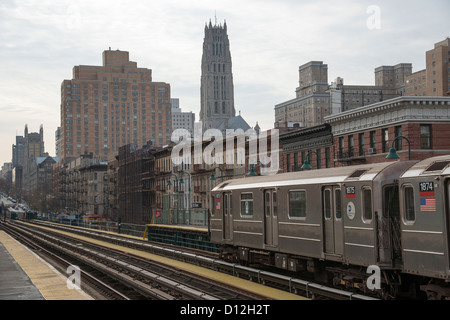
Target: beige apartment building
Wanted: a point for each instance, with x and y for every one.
(311, 103)
(105, 107)
(435, 79)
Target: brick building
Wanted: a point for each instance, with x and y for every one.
(435, 79)
(106, 107)
(296, 144)
(366, 134)
(136, 197)
(112, 189)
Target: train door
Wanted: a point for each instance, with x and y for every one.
(390, 226)
(270, 218)
(332, 220)
(447, 216)
(227, 216)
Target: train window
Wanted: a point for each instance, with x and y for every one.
(367, 204)
(337, 201)
(410, 213)
(230, 204)
(246, 204)
(327, 203)
(274, 204)
(297, 204)
(225, 204)
(212, 201)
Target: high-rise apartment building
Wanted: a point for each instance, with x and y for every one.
(217, 90)
(105, 107)
(180, 119)
(435, 79)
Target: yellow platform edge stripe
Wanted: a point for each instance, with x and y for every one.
(50, 283)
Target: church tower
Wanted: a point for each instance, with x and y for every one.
(217, 90)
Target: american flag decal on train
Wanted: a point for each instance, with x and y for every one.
(428, 204)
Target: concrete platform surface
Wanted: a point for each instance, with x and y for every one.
(25, 276)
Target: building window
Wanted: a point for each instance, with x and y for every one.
(384, 140)
(350, 146)
(373, 141)
(425, 136)
(398, 142)
(288, 162)
(361, 144)
(318, 158)
(296, 167)
(341, 147)
(327, 157)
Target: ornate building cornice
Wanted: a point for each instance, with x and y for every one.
(397, 110)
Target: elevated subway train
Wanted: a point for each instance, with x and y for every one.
(335, 223)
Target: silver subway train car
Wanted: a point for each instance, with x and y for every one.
(335, 223)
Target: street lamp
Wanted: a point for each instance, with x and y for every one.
(252, 171)
(213, 177)
(393, 153)
(306, 165)
(169, 183)
(182, 182)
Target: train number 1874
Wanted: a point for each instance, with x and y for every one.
(426, 186)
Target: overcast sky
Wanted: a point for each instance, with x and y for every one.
(42, 40)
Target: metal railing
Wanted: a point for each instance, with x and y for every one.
(125, 228)
(193, 217)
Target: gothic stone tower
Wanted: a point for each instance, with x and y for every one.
(217, 91)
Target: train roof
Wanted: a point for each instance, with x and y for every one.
(366, 172)
(439, 165)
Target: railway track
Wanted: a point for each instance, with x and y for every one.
(209, 260)
(149, 279)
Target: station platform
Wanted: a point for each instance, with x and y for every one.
(270, 293)
(25, 276)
